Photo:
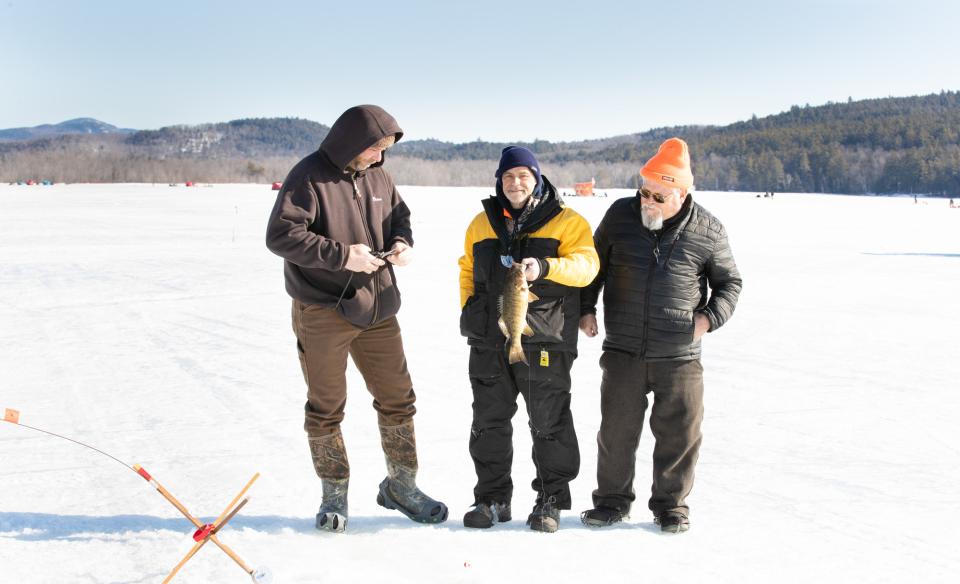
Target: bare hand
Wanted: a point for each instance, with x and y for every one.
(360, 260)
(402, 254)
(701, 324)
(531, 268)
(588, 324)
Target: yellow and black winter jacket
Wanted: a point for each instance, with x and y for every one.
(553, 233)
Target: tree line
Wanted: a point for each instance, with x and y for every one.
(888, 145)
(94, 167)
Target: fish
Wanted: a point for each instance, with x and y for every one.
(513, 312)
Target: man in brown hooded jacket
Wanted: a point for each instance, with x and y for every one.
(341, 227)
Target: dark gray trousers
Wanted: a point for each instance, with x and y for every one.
(677, 391)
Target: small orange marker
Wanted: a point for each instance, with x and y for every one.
(12, 416)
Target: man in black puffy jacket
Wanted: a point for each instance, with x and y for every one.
(668, 276)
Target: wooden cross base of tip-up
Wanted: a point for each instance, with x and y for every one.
(208, 532)
(203, 534)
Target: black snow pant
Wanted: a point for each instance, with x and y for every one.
(546, 390)
(677, 388)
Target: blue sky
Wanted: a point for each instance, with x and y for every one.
(496, 70)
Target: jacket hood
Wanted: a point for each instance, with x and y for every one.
(357, 129)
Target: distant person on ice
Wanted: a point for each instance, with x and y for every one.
(337, 214)
(660, 252)
(527, 224)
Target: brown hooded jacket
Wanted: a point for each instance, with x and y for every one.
(323, 209)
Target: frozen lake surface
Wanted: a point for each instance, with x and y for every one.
(152, 323)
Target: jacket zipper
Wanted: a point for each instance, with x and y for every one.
(366, 230)
(654, 262)
(676, 239)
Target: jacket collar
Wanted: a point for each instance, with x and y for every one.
(548, 207)
(677, 222)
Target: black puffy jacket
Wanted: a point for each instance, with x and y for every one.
(654, 282)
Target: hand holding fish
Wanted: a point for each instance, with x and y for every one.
(531, 268)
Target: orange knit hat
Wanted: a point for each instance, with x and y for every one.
(670, 165)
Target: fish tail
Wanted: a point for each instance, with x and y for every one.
(515, 354)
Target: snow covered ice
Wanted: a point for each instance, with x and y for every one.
(152, 323)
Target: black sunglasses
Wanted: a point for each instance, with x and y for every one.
(656, 197)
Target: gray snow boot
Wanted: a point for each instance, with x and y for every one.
(330, 462)
(399, 489)
(333, 510)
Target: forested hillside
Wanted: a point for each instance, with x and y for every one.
(888, 145)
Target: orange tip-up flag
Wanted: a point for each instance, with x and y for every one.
(12, 416)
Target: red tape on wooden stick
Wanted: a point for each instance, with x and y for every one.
(142, 472)
(202, 533)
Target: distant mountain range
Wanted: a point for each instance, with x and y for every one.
(236, 139)
(75, 126)
(902, 144)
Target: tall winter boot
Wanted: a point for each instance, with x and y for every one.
(399, 490)
(330, 461)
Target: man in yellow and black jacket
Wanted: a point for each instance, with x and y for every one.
(527, 224)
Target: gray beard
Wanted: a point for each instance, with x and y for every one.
(651, 223)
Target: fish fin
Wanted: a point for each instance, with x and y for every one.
(500, 304)
(527, 330)
(503, 327)
(531, 296)
(516, 354)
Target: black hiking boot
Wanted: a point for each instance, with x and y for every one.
(333, 510)
(545, 516)
(602, 516)
(484, 515)
(407, 498)
(672, 522)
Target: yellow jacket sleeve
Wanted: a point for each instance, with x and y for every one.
(578, 263)
(479, 229)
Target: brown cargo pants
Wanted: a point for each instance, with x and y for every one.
(677, 388)
(324, 339)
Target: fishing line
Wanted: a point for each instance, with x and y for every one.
(376, 254)
(345, 287)
(536, 431)
(85, 445)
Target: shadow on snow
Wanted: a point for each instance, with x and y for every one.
(932, 255)
(47, 526)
